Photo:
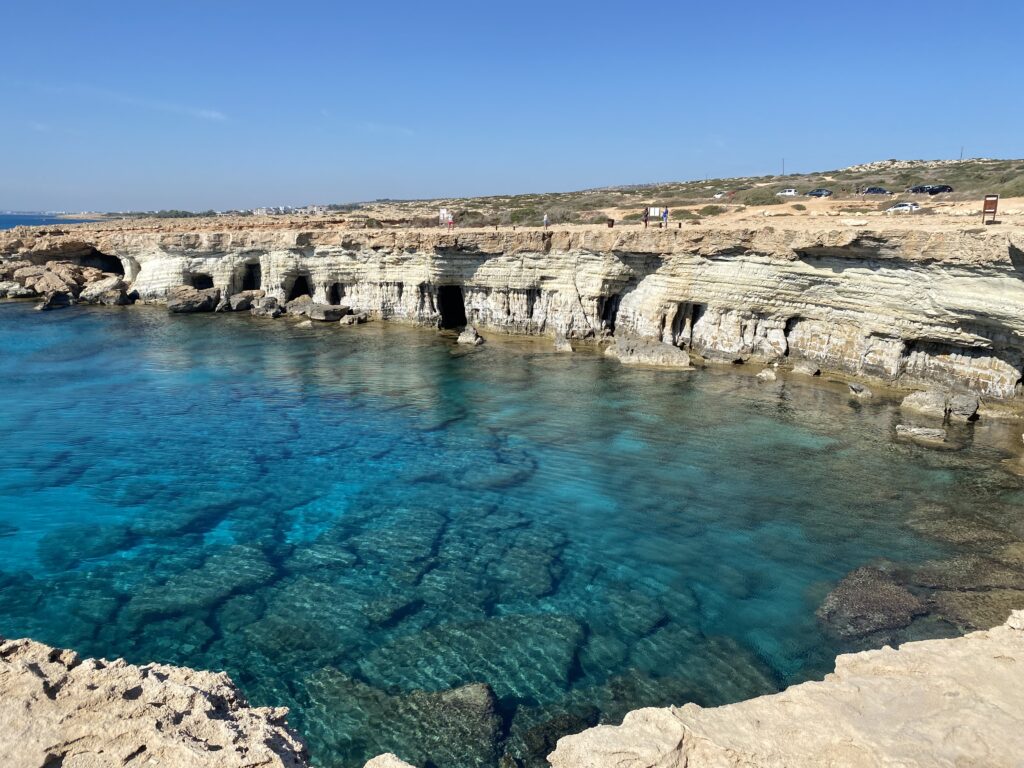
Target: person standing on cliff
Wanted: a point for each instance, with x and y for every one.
(451, 221)
(546, 221)
(647, 216)
(664, 217)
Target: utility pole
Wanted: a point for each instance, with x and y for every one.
(961, 154)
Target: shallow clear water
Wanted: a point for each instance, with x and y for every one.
(340, 516)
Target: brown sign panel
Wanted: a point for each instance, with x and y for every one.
(989, 208)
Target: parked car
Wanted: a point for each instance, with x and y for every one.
(903, 208)
(938, 189)
(920, 189)
(786, 193)
(719, 195)
(820, 192)
(876, 191)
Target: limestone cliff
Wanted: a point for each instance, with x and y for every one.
(920, 305)
(59, 710)
(931, 703)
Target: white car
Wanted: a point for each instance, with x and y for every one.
(719, 195)
(786, 193)
(903, 208)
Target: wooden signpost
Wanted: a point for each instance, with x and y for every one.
(989, 209)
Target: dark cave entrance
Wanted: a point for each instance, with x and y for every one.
(103, 261)
(252, 280)
(201, 281)
(609, 309)
(451, 306)
(336, 293)
(299, 288)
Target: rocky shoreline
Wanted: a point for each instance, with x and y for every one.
(939, 308)
(57, 709)
(936, 702)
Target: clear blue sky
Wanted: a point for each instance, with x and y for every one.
(222, 104)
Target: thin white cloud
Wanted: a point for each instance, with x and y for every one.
(154, 105)
(157, 106)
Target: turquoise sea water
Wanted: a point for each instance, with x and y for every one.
(339, 517)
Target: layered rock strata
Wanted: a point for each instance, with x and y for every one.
(57, 709)
(911, 306)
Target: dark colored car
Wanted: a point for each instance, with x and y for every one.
(876, 191)
(820, 192)
(920, 189)
(938, 189)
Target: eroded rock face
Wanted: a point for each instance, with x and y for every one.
(58, 709)
(940, 307)
(936, 702)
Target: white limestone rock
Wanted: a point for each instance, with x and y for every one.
(857, 300)
(387, 760)
(470, 336)
(930, 703)
(58, 709)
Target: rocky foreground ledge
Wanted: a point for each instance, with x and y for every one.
(956, 702)
(57, 710)
(953, 702)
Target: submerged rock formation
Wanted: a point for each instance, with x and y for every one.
(57, 709)
(935, 702)
(912, 305)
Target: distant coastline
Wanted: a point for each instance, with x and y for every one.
(12, 220)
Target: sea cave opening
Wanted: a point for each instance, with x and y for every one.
(300, 288)
(201, 281)
(609, 309)
(103, 261)
(252, 279)
(335, 293)
(451, 305)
